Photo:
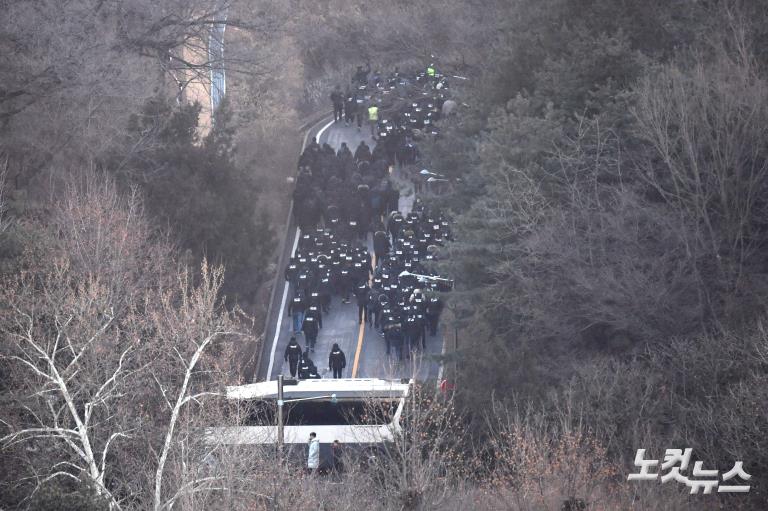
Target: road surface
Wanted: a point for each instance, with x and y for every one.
(364, 346)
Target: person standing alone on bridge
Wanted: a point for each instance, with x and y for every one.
(337, 361)
(338, 104)
(293, 355)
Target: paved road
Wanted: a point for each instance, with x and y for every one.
(364, 347)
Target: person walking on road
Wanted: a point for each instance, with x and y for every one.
(361, 75)
(363, 296)
(293, 355)
(433, 311)
(313, 455)
(359, 107)
(431, 71)
(337, 98)
(350, 107)
(393, 335)
(310, 328)
(296, 308)
(373, 118)
(337, 361)
(363, 152)
(381, 246)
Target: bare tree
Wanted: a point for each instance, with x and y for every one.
(67, 102)
(706, 126)
(193, 325)
(421, 467)
(110, 361)
(551, 460)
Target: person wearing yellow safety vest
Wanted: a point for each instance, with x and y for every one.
(373, 118)
(431, 72)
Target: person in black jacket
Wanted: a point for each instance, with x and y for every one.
(381, 246)
(293, 355)
(433, 309)
(361, 75)
(336, 361)
(359, 110)
(310, 328)
(394, 337)
(362, 295)
(315, 312)
(363, 152)
(325, 289)
(350, 107)
(306, 366)
(338, 104)
(378, 301)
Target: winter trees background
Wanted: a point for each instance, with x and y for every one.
(610, 217)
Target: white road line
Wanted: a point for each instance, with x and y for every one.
(280, 314)
(285, 289)
(322, 130)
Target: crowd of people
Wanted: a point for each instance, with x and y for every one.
(398, 108)
(341, 199)
(337, 187)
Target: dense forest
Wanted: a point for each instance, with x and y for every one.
(609, 162)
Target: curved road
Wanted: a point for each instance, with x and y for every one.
(364, 347)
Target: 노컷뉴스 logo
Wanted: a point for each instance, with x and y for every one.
(676, 462)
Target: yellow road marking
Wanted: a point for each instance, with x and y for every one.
(361, 336)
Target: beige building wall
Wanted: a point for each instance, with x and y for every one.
(198, 85)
